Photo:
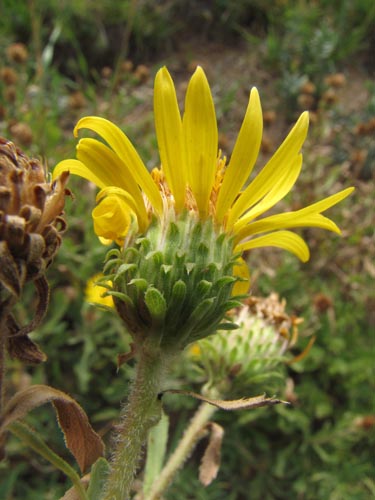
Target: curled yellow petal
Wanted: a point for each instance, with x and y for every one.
(128, 200)
(78, 168)
(282, 239)
(112, 218)
(201, 139)
(111, 170)
(121, 145)
(168, 127)
(243, 157)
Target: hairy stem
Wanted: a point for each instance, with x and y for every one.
(142, 412)
(192, 435)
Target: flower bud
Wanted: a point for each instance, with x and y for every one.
(253, 355)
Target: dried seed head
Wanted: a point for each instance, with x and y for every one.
(17, 52)
(30, 217)
(22, 133)
(337, 80)
(8, 75)
(31, 224)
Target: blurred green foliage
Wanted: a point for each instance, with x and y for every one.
(319, 448)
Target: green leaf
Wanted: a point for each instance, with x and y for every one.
(156, 448)
(98, 475)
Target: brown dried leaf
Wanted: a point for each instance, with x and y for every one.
(81, 439)
(210, 462)
(20, 346)
(232, 405)
(42, 288)
(9, 273)
(25, 350)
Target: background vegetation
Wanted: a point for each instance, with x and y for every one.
(86, 57)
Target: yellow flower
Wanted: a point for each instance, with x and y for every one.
(193, 176)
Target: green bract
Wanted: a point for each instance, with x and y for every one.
(175, 282)
(251, 356)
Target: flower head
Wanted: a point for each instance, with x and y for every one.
(183, 227)
(255, 353)
(193, 176)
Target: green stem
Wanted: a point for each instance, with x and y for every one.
(191, 436)
(142, 412)
(31, 439)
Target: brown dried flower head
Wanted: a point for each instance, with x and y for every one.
(8, 75)
(17, 52)
(31, 224)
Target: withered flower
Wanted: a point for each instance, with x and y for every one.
(31, 224)
(17, 52)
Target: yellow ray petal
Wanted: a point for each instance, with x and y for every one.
(110, 169)
(128, 200)
(269, 175)
(322, 205)
(306, 217)
(126, 151)
(112, 218)
(168, 126)
(286, 220)
(95, 292)
(78, 168)
(282, 239)
(244, 155)
(241, 270)
(277, 193)
(201, 139)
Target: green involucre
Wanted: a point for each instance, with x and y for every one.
(175, 282)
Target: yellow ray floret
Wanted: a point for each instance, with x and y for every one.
(192, 175)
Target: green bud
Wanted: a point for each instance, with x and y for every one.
(251, 355)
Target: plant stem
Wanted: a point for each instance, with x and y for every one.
(31, 439)
(3, 340)
(142, 412)
(5, 308)
(191, 436)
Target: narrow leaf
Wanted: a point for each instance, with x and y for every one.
(232, 405)
(98, 475)
(31, 438)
